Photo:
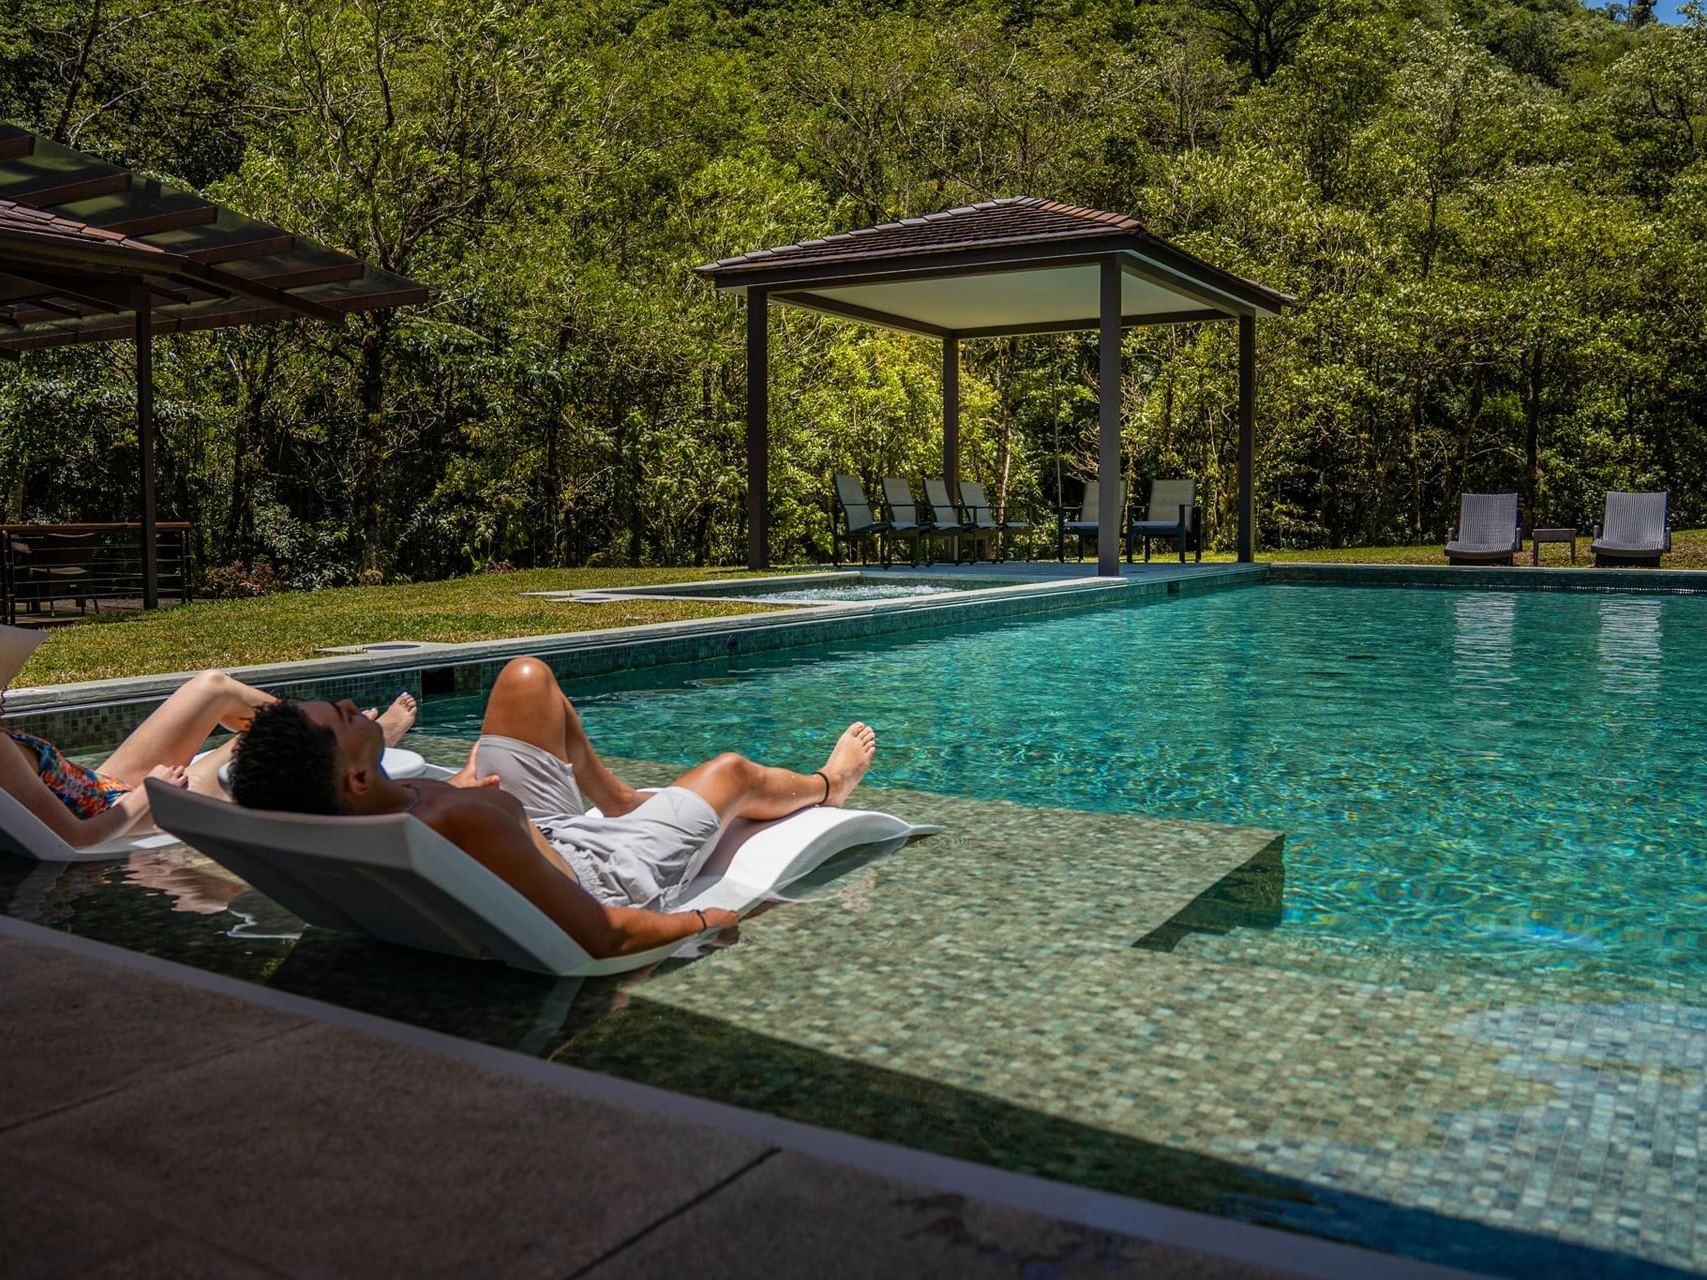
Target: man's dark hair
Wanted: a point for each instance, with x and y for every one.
(286, 761)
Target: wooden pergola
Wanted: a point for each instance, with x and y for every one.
(998, 269)
(92, 252)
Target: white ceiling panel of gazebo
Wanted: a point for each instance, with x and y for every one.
(1008, 298)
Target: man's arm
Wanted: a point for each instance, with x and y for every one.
(504, 848)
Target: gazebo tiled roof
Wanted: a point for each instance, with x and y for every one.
(1014, 220)
(951, 273)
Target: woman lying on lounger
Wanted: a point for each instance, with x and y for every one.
(517, 805)
(85, 807)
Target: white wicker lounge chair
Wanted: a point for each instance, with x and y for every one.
(397, 879)
(1487, 530)
(1636, 530)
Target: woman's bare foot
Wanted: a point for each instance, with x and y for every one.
(848, 762)
(397, 719)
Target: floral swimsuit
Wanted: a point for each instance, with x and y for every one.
(83, 791)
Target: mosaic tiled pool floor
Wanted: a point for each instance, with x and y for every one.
(1003, 993)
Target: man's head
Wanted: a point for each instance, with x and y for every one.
(307, 757)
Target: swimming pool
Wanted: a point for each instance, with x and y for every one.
(1503, 777)
(1476, 1032)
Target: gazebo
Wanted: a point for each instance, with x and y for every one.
(998, 269)
(92, 252)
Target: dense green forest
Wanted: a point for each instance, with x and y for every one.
(1493, 212)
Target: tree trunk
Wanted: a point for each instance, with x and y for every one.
(1532, 435)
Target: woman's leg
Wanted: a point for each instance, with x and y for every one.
(178, 727)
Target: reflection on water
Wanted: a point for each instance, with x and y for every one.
(1484, 624)
(1629, 646)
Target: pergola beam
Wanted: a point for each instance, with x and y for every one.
(866, 315)
(1151, 274)
(1138, 320)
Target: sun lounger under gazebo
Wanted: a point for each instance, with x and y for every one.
(1635, 531)
(1172, 513)
(1487, 530)
(1084, 524)
(946, 514)
(983, 515)
(859, 520)
(904, 522)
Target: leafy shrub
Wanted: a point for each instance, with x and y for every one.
(240, 581)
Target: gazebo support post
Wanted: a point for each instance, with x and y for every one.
(951, 415)
(1108, 420)
(1247, 437)
(141, 303)
(758, 429)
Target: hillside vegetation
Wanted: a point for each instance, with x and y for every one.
(1494, 215)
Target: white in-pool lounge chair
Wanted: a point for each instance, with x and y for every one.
(1487, 530)
(397, 879)
(1635, 531)
(24, 834)
(27, 836)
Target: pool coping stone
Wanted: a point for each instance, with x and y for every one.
(994, 1195)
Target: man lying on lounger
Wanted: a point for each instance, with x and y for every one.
(517, 806)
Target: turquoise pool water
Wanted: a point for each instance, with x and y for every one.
(1485, 776)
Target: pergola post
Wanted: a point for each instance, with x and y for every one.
(1247, 437)
(141, 304)
(758, 429)
(951, 415)
(1108, 421)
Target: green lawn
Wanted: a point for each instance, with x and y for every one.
(291, 626)
(1688, 551)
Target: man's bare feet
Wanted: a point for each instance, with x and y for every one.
(397, 719)
(848, 762)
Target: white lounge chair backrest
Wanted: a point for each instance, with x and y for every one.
(1488, 521)
(898, 497)
(1636, 521)
(936, 495)
(1168, 496)
(399, 880)
(27, 836)
(855, 505)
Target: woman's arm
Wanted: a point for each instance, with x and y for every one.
(25, 786)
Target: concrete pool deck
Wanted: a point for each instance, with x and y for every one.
(161, 1121)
